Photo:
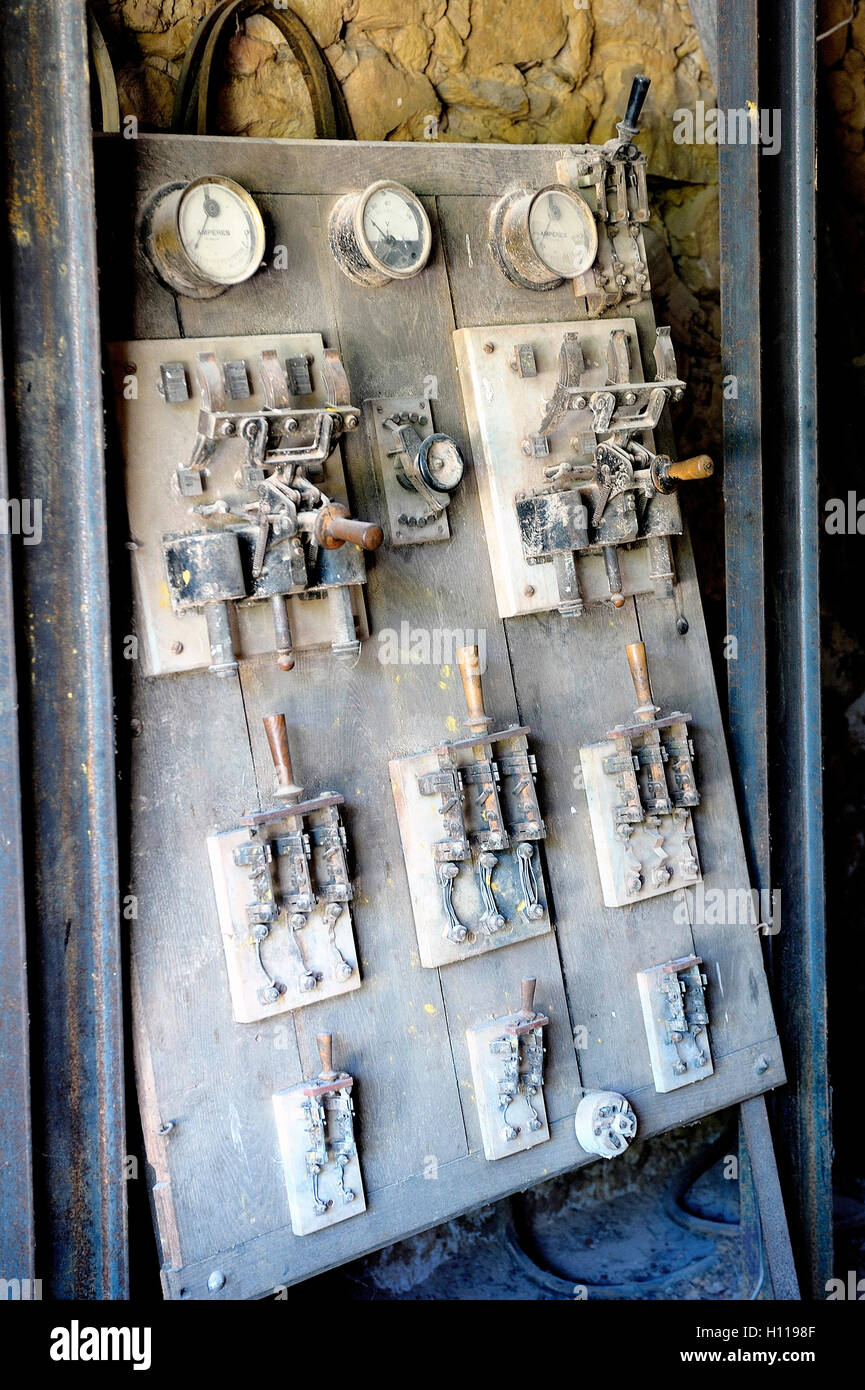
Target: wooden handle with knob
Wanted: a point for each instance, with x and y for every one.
(688, 470)
(334, 527)
(277, 738)
(324, 1043)
(636, 653)
(527, 994)
(469, 664)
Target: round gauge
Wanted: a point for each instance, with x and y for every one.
(440, 462)
(381, 234)
(563, 231)
(540, 238)
(203, 236)
(221, 230)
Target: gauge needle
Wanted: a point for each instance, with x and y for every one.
(387, 236)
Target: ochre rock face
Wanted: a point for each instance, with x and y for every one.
(522, 71)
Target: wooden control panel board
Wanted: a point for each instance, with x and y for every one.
(200, 762)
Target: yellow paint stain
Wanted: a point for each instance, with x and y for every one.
(443, 685)
(429, 1009)
(164, 596)
(186, 576)
(446, 671)
(451, 724)
(69, 694)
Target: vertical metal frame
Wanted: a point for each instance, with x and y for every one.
(768, 297)
(789, 305)
(55, 430)
(16, 1140)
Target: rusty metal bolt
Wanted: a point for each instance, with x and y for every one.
(489, 347)
(177, 648)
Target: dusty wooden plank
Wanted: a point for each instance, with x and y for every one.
(211, 1078)
(682, 676)
(323, 166)
(276, 1258)
(402, 1033)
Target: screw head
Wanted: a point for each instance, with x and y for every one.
(489, 347)
(177, 648)
(529, 590)
(216, 1281)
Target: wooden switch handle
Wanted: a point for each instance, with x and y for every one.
(636, 652)
(277, 738)
(334, 527)
(324, 1042)
(527, 994)
(688, 470)
(468, 662)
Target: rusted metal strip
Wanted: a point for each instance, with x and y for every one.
(16, 1168)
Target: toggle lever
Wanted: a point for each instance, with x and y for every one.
(657, 796)
(527, 996)
(468, 660)
(629, 126)
(639, 666)
(333, 527)
(277, 738)
(324, 1043)
(666, 474)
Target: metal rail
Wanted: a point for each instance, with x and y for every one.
(54, 401)
(793, 528)
(768, 297)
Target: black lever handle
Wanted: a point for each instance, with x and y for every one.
(639, 89)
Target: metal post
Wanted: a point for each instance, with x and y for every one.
(770, 494)
(56, 449)
(788, 180)
(16, 1168)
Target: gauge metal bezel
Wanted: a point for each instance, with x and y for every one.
(159, 232)
(585, 212)
(363, 243)
(259, 236)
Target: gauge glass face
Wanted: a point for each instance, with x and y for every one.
(396, 231)
(563, 232)
(220, 231)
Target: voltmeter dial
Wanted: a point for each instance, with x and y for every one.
(541, 238)
(203, 236)
(381, 234)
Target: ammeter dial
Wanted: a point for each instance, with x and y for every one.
(381, 234)
(541, 238)
(203, 236)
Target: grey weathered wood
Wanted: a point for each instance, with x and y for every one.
(201, 761)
